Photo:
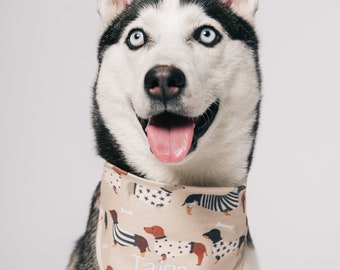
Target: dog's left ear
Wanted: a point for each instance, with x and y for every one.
(109, 9)
(244, 8)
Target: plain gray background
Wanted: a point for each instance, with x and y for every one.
(49, 168)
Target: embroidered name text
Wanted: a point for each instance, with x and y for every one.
(142, 265)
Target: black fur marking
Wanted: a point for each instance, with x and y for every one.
(84, 255)
(236, 27)
(114, 32)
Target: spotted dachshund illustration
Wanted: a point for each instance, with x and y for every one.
(166, 248)
(113, 178)
(157, 197)
(219, 203)
(221, 248)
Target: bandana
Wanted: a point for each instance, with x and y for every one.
(146, 225)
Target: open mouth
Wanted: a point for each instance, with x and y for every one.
(172, 137)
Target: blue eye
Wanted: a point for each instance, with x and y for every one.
(207, 35)
(136, 39)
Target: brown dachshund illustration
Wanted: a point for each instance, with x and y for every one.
(171, 249)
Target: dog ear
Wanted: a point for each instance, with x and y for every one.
(244, 8)
(109, 9)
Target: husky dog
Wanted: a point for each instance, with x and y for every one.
(177, 96)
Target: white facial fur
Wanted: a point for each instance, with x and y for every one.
(225, 72)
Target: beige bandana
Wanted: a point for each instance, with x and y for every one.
(147, 225)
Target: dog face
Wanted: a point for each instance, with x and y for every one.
(179, 78)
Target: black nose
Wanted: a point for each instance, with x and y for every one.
(164, 82)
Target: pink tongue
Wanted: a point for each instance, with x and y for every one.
(170, 144)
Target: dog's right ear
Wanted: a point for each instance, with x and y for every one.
(109, 9)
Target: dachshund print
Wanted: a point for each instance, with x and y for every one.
(125, 239)
(113, 179)
(221, 248)
(219, 203)
(171, 249)
(157, 197)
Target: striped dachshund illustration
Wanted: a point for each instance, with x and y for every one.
(219, 203)
(221, 248)
(125, 239)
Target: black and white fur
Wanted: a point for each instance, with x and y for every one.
(227, 73)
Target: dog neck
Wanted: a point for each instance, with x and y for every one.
(150, 225)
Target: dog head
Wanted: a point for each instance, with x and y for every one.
(156, 231)
(214, 235)
(179, 78)
(114, 215)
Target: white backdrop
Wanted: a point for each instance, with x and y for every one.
(49, 168)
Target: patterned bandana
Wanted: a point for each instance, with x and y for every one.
(145, 225)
